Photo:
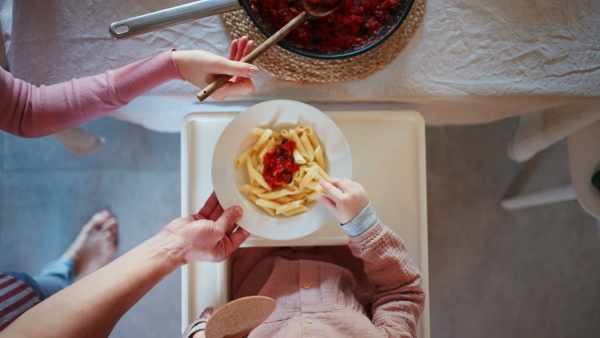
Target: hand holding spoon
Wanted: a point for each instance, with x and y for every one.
(313, 9)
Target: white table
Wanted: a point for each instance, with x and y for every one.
(469, 61)
(393, 174)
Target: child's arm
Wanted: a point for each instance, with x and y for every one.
(398, 300)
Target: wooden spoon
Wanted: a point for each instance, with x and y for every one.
(313, 9)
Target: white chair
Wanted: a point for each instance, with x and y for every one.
(584, 161)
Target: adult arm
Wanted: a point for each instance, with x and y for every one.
(30, 111)
(92, 306)
(397, 300)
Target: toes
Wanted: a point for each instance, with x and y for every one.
(109, 224)
(111, 238)
(99, 218)
(110, 229)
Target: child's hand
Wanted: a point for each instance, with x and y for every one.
(347, 198)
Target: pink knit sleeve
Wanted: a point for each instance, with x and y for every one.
(398, 300)
(30, 111)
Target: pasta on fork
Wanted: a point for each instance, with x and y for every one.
(284, 169)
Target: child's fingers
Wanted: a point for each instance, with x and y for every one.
(344, 184)
(327, 202)
(332, 190)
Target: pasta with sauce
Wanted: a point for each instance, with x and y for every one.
(284, 169)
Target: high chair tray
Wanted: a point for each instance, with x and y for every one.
(388, 159)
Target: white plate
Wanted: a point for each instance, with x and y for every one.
(227, 179)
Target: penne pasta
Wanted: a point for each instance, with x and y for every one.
(298, 157)
(294, 137)
(315, 186)
(256, 176)
(319, 157)
(284, 200)
(284, 177)
(275, 194)
(270, 144)
(264, 137)
(245, 154)
(252, 189)
(296, 211)
(267, 203)
(313, 196)
(310, 174)
(314, 140)
(288, 206)
(310, 152)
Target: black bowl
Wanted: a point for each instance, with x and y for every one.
(390, 26)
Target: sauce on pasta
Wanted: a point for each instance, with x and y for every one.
(278, 164)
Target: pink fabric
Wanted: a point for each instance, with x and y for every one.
(30, 111)
(368, 289)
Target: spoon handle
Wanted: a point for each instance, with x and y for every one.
(280, 34)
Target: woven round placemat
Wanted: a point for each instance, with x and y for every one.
(288, 66)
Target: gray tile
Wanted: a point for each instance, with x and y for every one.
(494, 273)
(128, 146)
(43, 212)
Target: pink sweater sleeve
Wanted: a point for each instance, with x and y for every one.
(398, 299)
(30, 111)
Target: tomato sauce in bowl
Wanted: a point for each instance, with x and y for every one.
(354, 24)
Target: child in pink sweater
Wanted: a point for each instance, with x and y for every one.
(368, 289)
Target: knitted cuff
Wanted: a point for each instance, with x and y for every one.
(364, 221)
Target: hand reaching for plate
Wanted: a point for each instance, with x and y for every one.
(346, 198)
(208, 235)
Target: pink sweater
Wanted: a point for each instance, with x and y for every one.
(368, 289)
(30, 111)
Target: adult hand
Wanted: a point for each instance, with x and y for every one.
(201, 68)
(346, 198)
(208, 236)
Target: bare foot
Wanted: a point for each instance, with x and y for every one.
(95, 244)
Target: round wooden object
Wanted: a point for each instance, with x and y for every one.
(238, 318)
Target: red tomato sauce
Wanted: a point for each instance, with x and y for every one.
(278, 164)
(350, 26)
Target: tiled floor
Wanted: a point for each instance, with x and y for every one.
(528, 273)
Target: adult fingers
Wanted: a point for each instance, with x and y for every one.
(240, 51)
(332, 189)
(217, 212)
(211, 203)
(238, 237)
(240, 87)
(248, 48)
(233, 49)
(228, 218)
(235, 68)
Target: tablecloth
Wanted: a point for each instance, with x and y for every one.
(469, 61)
